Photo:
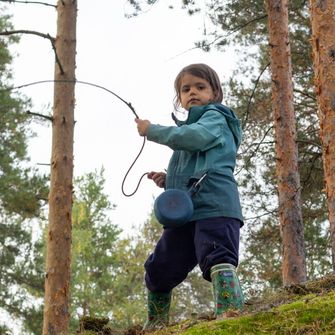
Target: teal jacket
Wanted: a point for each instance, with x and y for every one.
(206, 142)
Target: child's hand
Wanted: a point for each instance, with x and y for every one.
(158, 178)
(142, 126)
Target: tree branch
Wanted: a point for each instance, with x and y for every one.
(31, 32)
(252, 95)
(305, 94)
(265, 213)
(30, 2)
(40, 115)
(12, 32)
(310, 142)
(256, 149)
(203, 45)
(237, 28)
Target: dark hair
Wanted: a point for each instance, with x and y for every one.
(202, 71)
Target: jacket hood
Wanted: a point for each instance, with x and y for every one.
(233, 122)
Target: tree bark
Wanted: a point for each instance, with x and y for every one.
(58, 260)
(290, 217)
(323, 43)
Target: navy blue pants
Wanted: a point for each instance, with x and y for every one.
(205, 242)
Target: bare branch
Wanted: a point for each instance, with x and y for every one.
(237, 28)
(265, 213)
(40, 115)
(31, 32)
(310, 142)
(256, 149)
(204, 45)
(252, 95)
(305, 94)
(12, 32)
(30, 2)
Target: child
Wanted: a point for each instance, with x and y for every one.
(206, 142)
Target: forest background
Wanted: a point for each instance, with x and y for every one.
(113, 285)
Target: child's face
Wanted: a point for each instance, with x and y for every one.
(194, 91)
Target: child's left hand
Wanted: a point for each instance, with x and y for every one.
(158, 177)
(142, 126)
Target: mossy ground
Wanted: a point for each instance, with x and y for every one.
(296, 310)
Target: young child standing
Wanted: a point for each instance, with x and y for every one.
(206, 143)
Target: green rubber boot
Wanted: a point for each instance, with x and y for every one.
(228, 296)
(158, 310)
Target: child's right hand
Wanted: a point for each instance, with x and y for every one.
(142, 126)
(158, 178)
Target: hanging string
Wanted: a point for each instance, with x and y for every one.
(125, 177)
(111, 92)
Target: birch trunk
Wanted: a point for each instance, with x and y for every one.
(290, 217)
(323, 43)
(58, 261)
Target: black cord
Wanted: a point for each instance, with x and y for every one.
(139, 182)
(109, 91)
(73, 81)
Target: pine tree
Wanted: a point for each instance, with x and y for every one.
(323, 27)
(58, 261)
(290, 217)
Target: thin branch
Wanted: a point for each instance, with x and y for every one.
(234, 30)
(40, 115)
(252, 95)
(305, 94)
(31, 32)
(240, 27)
(230, 32)
(261, 215)
(310, 142)
(258, 145)
(12, 32)
(30, 2)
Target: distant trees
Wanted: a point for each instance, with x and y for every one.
(23, 193)
(94, 249)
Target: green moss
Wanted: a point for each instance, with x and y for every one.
(309, 310)
(309, 315)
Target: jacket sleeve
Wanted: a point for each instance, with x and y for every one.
(207, 132)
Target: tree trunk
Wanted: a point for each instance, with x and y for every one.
(58, 261)
(290, 217)
(323, 34)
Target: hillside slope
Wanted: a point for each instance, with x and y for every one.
(296, 310)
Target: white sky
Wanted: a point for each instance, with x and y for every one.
(137, 58)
